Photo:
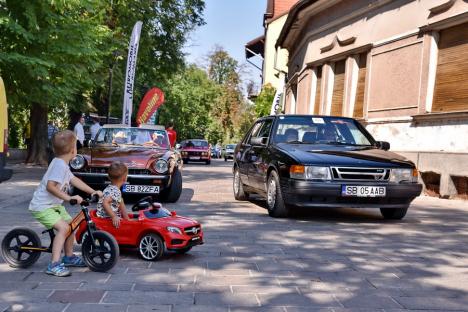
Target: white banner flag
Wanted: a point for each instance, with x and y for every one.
(278, 95)
(130, 74)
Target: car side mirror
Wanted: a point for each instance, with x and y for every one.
(382, 145)
(259, 141)
(173, 213)
(177, 146)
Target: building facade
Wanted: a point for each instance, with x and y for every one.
(399, 66)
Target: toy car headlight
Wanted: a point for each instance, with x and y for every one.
(160, 166)
(403, 175)
(174, 229)
(77, 162)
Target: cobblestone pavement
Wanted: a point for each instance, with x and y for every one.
(320, 260)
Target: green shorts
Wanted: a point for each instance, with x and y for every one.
(50, 216)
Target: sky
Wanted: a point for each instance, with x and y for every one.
(230, 24)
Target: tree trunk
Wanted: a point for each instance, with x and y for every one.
(37, 152)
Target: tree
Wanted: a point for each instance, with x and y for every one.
(264, 101)
(51, 52)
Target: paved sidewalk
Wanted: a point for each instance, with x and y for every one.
(320, 260)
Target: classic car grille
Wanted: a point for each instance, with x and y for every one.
(193, 230)
(130, 171)
(194, 153)
(360, 174)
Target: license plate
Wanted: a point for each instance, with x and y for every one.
(141, 189)
(363, 191)
(194, 157)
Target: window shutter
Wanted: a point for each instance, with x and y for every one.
(359, 104)
(338, 88)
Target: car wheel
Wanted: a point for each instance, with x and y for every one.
(208, 162)
(225, 159)
(275, 202)
(151, 247)
(172, 194)
(393, 213)
(185, 161)
(238, 187)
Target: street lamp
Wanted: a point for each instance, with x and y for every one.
(111, 72)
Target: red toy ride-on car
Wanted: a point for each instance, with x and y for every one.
(151, 229)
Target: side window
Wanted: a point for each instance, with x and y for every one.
(254, 132)
(101, 136)
(265, 130)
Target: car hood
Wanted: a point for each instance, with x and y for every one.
(180, 222)
(133, 157)
(342, 155)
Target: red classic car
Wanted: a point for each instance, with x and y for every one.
(153, 167)
(152, 230)
(195, 150)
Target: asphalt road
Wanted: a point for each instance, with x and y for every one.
(320, 260)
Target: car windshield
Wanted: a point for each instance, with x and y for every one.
(133, 136)
(157, 213)
(194, 143)
(319, 130)
(231, 146)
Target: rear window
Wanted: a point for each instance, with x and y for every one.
(195, 143)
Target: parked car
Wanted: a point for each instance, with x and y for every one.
(153, 167)
(152, 229)
(229, 151)
(322, 161)
(195, 150)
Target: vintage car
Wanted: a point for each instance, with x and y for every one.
(229, 151)
(153, 167)
(195, 150)
(322, 161)
(152, 229)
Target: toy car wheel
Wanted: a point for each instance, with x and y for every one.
(103, 254)
(172, 194)
(183, 250)
(11, 252)
(151, 247)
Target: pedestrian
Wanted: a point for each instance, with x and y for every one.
(79, 132)
(51, 130)
(171, 133)
(46, 204)
(95, 128)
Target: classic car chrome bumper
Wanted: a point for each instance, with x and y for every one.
(132, 176)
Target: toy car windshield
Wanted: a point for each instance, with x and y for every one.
(157, 213)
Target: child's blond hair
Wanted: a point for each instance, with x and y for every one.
(63, 142)
(117, 170)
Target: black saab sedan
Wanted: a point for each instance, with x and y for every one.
(322, 161)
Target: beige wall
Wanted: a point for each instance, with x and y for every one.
(270, 56)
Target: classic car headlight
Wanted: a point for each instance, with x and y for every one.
(160, 166)
(205, 154)
(310, 172)
(404, 175)
(174, 229)
(77, 162)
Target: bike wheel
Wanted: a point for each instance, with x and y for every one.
(104, 256)
(11, 252)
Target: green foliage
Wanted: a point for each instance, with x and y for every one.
(264, 101)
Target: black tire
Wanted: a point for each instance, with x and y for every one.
(185, 161)
(208, 162)
(275, 202)
(151, 247)
(225, 159)
(238, 187)
(183, 250)
(10, 247)
(105, 256)
(172, 194)
(393, 213)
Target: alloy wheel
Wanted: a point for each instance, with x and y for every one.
(271, 195)
(149, 247)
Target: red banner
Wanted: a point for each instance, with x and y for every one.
(150, 103)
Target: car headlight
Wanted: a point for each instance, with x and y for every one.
(77, 162)
(403, 175)
(174, 229)
(310, 172)
(160, 166)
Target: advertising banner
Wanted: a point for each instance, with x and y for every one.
(276, 105)
(130, 74)
(148, 106)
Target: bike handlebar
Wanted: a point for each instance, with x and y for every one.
(92, 199)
